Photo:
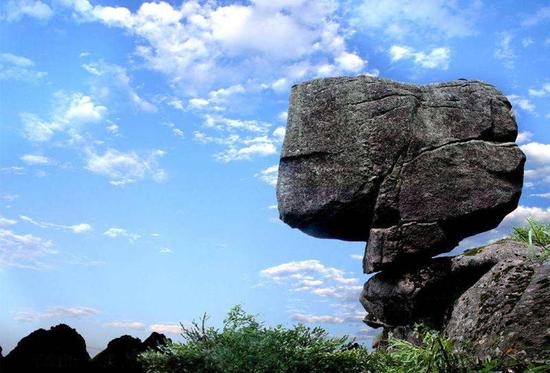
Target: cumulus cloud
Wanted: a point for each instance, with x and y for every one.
(76, 228)
(18, 68)
(57, 312)
(190, 44)
(121, 232)
(71, 113)
(24, 250)
(524, 136)
(14, 10)
(313, 277)
(537, 152)
(125, 167)
(437, 58)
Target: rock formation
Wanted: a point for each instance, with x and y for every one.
(121, 354)
(412, 170)
(59, 349)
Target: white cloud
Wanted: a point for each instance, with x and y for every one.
(35, 159)
(543, 91)
(14, 10)
(437, 58)
(57, 312)
(124, 168)
(134, 325)
(520, 215)
(313, 277)
(165, 250)
(525, 42)
(76, 228)
(121, 232)
(6, 221)
(400, 18)
(192, 43)
(18, 68)
(269, 175)
(522, 103)
(356, 257)
(326, 319)
(166, 328)
(72, 111)
(524, 136)
(537, 152)
(24, 251)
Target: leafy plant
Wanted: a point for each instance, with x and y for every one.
(245, 345)
(536, 234)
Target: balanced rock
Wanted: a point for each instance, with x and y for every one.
(412, 169)
(59, 349)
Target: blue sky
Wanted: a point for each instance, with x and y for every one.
(139, 147)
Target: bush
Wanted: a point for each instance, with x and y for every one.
(245, 345)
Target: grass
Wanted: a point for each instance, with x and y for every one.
(537, 236)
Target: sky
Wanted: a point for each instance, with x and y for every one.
(139, 147)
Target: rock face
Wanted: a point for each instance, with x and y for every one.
(492, 301)
(59, 349)
(121, 354)
(411, 169)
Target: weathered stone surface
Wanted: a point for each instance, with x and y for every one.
(492, 301)
(411, 169)
(505, 313)
(59, 349)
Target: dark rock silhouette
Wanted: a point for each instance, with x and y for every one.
(412, 169)
(121, 354)
(60, 349)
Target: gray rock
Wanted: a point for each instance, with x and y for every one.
(411, 169)
(492, 301)
(505, 314)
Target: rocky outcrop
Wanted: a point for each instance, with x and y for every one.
(59, 349)
(493, 301)
(411, 169)
(121, 354)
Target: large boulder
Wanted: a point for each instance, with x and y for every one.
(412, 169)
(60, 349)
(493, 301)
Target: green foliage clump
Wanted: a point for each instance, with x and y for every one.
(244, 345)
(537, 236)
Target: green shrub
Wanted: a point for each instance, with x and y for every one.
(246, 346)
